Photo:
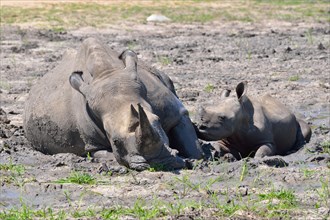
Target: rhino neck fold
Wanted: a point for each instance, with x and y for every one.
(247, 113)
(97, 125)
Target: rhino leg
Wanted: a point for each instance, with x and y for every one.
(229, 152)
(265, 150)
(103, 155)
(183, 137)
(305, 130)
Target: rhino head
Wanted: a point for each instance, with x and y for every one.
(116, 103)
(222, 120)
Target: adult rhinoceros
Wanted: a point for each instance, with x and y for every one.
(97, 99)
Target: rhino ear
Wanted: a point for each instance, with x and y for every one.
(77, 82)
(241, 89)
(130, 60)
(225, 93)
(134, 121)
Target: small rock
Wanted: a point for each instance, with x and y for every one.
(319, 158)
(275, 162)
(60, 164)
(288, 50)
(323, 211)
(249, 35)
(118, 169)
(103, 168)
(158, 18)
(324, 85)
(320, 47)
(243, 190)
(13, 113)
(3, 117)
(229, 157)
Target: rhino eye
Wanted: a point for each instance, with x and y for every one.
(221, 118)
(116, 141)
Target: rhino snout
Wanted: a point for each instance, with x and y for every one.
(206, 133)
(202, 127)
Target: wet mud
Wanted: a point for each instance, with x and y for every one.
(287, 61)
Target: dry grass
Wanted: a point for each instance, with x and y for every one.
(74, 14)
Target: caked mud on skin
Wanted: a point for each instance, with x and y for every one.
(97, 99)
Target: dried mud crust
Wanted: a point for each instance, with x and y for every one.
(288, 61)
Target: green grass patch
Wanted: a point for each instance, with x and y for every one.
(14, 168)
(294, 78)
(324, 191)
(279, 200)
(308, 173)
(5, 85)
(11, 173)
(28, 213)
(244, 170)
(164, 60)
(79, 178)
(209, 88)
(157, 167)
(325, 147)
(61, 17)
(290, 2)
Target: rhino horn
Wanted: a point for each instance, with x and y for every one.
(149, 137)
(134, 121)
(147, 130)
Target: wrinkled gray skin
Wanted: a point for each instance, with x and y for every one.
(96, 99)
(247, 126)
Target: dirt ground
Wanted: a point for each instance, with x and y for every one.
(288, 61)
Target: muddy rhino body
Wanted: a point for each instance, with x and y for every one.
(247, 126)
(97, 99)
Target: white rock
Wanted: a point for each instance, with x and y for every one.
(158, 18)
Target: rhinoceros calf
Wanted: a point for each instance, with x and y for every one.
(97, 99)
(246, 126)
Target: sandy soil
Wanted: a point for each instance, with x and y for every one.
(288, 61)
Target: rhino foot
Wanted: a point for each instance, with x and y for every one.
(169, 163)
(265, 150)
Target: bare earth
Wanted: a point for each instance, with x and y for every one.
(288, 61)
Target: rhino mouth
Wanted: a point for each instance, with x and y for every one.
(205, 133)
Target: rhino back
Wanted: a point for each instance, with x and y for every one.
(48, 121)
(283, 122)
(161, 96)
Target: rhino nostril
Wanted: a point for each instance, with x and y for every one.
(202, 127)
